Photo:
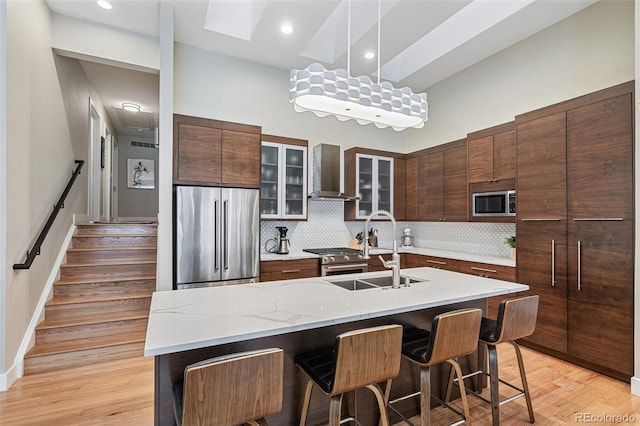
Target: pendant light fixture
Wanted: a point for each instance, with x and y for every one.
(335, 92)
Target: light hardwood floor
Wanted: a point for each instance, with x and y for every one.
(121, 393)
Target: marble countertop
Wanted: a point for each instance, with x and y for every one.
(193, 318)
(470, 257)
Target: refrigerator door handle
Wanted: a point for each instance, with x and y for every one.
(225, 235)
(215, 235)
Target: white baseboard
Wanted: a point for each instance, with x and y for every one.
(635, 386)
(17, 369)
(13, 374)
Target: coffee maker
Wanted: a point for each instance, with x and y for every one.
(283, 244)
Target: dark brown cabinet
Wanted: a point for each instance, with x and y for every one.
(492, 154)
(437, 183)
(542, 265)
(575, 226)
(216, 153)
(417, 260)
(275, 270)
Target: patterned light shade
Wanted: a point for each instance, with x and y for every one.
(334, 92)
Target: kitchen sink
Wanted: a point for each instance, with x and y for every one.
(373, 282)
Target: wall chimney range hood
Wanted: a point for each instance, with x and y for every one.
(326, 174)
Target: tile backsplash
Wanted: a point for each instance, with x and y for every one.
(326, 227)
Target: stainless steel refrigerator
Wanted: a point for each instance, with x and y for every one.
(217, 236)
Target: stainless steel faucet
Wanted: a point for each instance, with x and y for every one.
(394, 263)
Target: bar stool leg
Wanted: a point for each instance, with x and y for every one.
(425, 396)
(493, 379)
(455, 367)
(335, 410)
(305, 404)
(452, 375)
(382, 404)
(525, 385)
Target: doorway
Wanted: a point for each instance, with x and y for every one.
(95, 172)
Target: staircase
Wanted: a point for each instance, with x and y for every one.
(100, 304)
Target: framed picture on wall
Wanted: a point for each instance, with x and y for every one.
(140, 173)
(102, 152)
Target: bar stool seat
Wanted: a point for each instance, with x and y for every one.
(231, 389)
(359, 359)
(453, 334)
(516, 319)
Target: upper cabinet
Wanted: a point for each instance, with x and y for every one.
(283, 171)
(377, 178)
(492, 154)
(437, 183)
(215, 153)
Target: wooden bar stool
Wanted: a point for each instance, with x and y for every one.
(452, 334)
(231, 389)
(359, 359)
(516, 320)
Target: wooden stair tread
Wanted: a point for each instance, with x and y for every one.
(91, 235)
(68, 300)
(127, 248)
(85, 344)
(110, 262)
(50, 323)
(83, 280)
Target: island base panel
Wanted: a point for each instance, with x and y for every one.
(169, 369)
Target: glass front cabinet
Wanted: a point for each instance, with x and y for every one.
(283, 188)
(374, 184)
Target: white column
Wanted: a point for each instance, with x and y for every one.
(165, 217)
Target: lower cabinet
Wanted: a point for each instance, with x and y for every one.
(487, 270)
(600, 293)
(275, 270)
(498, 272)
(418, 260)
(583, 272)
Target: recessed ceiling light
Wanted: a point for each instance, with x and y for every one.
(286, 28)
(131, 107)
(369, 55)
(105, 4)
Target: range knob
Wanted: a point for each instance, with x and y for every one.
(332, 259)
(346, 258)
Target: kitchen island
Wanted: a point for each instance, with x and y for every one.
(187, 326)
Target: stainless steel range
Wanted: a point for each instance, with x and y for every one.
(339, 260)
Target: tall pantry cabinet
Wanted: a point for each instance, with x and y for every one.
(575, 226)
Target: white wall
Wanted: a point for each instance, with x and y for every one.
(40, 160)
(85, 40)
(588, 51)
(220, 87)
(136, 203)
(3, 188)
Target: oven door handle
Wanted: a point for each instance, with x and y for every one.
(345, 266)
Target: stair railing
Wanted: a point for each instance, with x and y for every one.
(35, 250)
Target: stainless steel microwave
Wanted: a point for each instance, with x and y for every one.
(497, 203)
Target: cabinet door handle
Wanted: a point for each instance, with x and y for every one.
(493, 271)
(436, 262)
(579, 283)
(542, 219)
(291, 271)
(553, 263)
(598, 219)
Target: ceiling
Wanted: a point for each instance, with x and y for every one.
(422, 41)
